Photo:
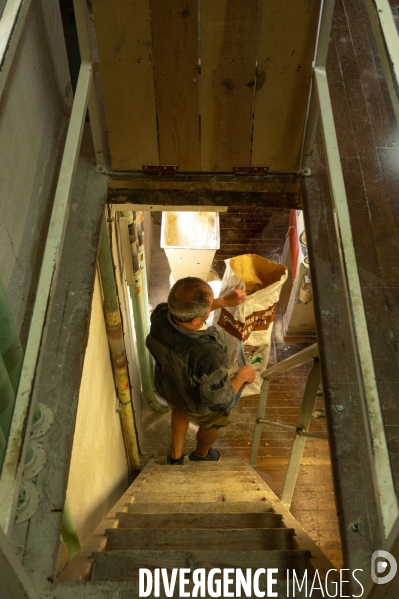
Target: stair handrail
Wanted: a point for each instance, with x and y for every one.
(306, 355)
(12, 22)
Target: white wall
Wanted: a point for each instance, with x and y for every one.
(32, 110)
(99, 472)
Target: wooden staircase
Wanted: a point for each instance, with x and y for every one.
(200, 515)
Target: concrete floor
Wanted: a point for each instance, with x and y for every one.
(313, 504)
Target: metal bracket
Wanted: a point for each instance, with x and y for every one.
(164, 170)
(250, 170)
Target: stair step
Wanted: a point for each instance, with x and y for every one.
(174, 521)
(192, 539)
(199, 474)
(197, 496)
(124, 565)
(223, 507)
(222, 466)
(130, 589)
(191, 486)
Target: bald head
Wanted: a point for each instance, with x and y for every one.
(189, 298)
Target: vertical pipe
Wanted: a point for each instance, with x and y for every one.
(136, 294)
(144, 280)
(143, 269)
(117, 347)
(146, 381)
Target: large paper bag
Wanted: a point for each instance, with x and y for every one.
(252, 321)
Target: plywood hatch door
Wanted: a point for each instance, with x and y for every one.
(206, 84)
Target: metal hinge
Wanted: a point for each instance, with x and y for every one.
(162, 169)
(250, 170)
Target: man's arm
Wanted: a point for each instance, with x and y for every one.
(231, 299)
(217, 390)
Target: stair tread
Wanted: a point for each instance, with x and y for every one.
(197, 496)
(99, 589)
(238, 507)
(124, 564)
(222, 466)
(198, 487)
(211, 474)
(191, 539)
(194, 520)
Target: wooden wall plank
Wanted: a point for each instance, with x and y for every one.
(123, 31)
(229, 37)
(175, 35)
(286, 48)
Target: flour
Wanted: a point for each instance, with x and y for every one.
(190, 229)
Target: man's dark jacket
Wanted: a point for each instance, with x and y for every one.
(191, 366)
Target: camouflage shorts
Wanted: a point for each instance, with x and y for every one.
(209, 420)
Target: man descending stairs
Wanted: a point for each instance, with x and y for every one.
(183, 522)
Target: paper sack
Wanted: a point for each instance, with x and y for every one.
(252, 321)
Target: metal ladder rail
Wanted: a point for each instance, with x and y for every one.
(301, 430)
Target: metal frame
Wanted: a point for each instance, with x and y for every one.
(301, 430)
(12, 574)
(10, 29)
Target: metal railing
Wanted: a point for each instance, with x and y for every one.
(11, 26)
(301, 430)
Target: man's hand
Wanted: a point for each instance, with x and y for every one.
(231, 299)
(245, 374)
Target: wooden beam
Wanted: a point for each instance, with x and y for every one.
(271, 191)
(276, 182)
(278, 191)
(200, 197)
